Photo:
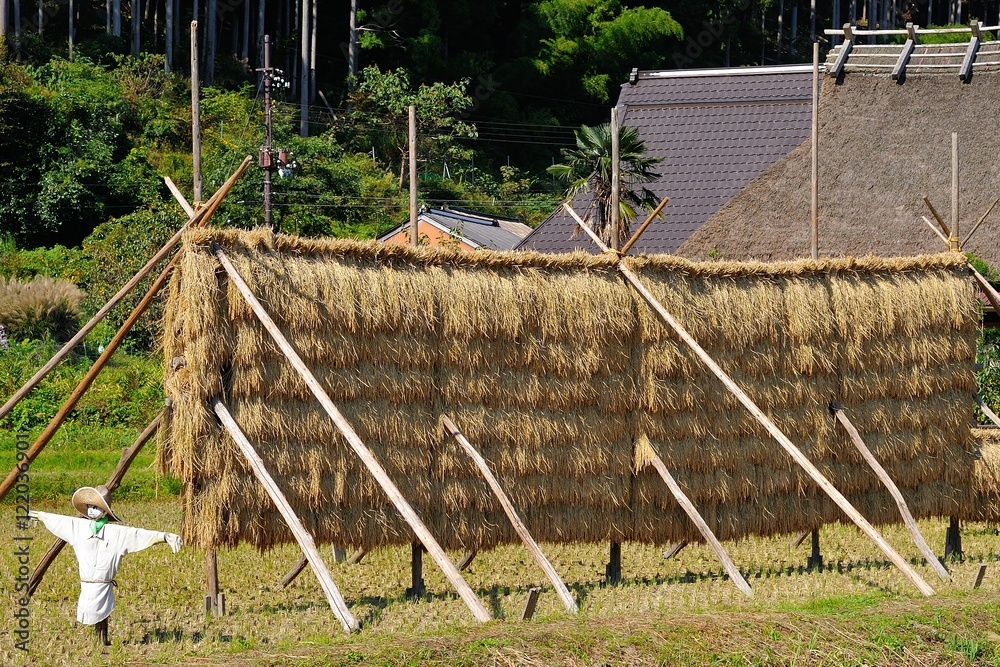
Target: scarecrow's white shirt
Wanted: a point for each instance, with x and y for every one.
(99, 557)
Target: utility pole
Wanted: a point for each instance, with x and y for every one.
(266, 161)
(304, 71)
(270, 158)
(195, 115)
(615, 220)
(414, 236)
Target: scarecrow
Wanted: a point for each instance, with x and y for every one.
(99, 547)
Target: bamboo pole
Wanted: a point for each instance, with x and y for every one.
(359, 447)
(176, 192)
(992, 416)
(645, 223)
(414, 233)
(937, 216)
(988, 290)
(114, 481)
(980, 221)
(92, 373)
(953, 237)
(114, 301)
(515, 520)
(302, 536)
(699, 522)
(765, 421)
(295, 571)
(616, 185)
(904, 510)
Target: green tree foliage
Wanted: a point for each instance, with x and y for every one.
(380, 116)
(63, 141)
(597, 42)
(588, 168)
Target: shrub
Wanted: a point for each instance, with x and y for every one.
(40, 309)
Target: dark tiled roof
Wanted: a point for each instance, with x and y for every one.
(716, 130)
(477, 229)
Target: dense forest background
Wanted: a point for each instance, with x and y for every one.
(95, 110)
(94, 96)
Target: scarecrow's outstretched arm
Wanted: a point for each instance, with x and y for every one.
(137, 539)
(60, 525)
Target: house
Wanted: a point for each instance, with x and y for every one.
(461, 228)
(884, 144)
(716, 130)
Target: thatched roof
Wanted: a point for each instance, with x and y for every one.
(553, 369)
(715, 129)
(882, 147)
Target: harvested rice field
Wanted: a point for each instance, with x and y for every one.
(856, 610)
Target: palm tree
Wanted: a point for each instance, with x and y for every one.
(588, 168)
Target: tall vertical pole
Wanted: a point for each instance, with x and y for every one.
(812, 20)
(195, 115)
(304, 70)
(953, 241)
(815, 153)
(41, 16)
(116, 17)
(4, 8)
(312, 54)
(136, 24)
(211, 40)
(615, 182)
(352, 41)
(414, 236)
(266, 158)
(245, 37)
(168, 62)
(72, 26)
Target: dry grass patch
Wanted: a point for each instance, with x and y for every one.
(857, 610)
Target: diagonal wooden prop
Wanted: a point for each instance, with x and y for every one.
(763, 419)
(88, 379)
(357, 445)
(515, 520)
(883, 476)
(302, 536)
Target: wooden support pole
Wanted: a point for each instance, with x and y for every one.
(302, 536)
(294, 572)
(416, 588)
(512, 516)
(953, 237)
(358, 446)
(992, 416)
(815, 557)
(466, 561)
(937, 216)
(727, 563)
(212, 578)
(414, 233)
(980, 221)
(339, 555)
(114, 481)
(616, 216)
(904, 510)
(899, 70)
(645, 223)
(953, 539)
(674, 549)
(935, 230)
(814, 154)
(991, 294)
(114, 301)
(800, 538)
(356, 557)
(176, 192)
(979, 576)
(613, 570)
(766, 422)
(84, 384)
(845, 50)
(529, 606)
